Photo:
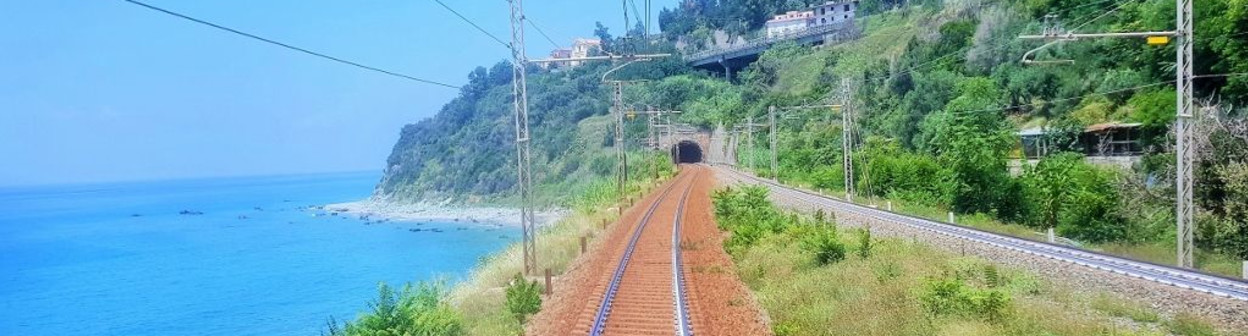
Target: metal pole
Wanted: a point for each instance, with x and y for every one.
(1183, 135)
(650, 130)
(775, 173)
(523, 174)
(1183, 180)
(621, 158)
(749, 136)
(847, 140)
(654, 142)
(646, 35)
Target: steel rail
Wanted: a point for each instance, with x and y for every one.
(683, 325)
(1177, 277)
(608, 297)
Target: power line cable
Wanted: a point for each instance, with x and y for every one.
(957, 53)
(1145, 86)
(474, 24)
(543, 33)
(1103, 15)
(1008, 43)
(1236, 74)
(1071, 9)
(624, 6)
(288, 46)
(636, 13)
(1061, 99)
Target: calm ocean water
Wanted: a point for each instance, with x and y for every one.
(119, 259)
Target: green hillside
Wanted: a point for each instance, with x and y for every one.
(467, 149)
(939, 91)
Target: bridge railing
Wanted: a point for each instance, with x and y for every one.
(843, 26)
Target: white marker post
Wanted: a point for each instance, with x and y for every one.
(1052, 237)
(951, 218)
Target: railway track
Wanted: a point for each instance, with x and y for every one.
(1167, 275)
(646, 293)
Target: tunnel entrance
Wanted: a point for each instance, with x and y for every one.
(687, 152)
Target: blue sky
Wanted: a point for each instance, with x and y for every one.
(96, 91)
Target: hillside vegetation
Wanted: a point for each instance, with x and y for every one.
(939, 91)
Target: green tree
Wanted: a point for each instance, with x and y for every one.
(1154, 109)
(416, 311)
(1079, 200)
(1048, 187)
(973, 141)
(524, 298)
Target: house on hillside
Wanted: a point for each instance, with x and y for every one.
(1113, 143)
(561, 53)
(828, 13)
(834, 11)
(789, 23)
(583, 47)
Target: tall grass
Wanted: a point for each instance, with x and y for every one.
(482, 299)
(1156, 252)
(904, 288)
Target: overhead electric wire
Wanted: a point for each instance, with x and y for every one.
(288, 46)
(636, 13)
(1222, 75)
(624, 5)
(1096, 94)
(962, 53)
(1103, 15)
(1061, 99)
(543, 33)
(959, 52)
(474, 25)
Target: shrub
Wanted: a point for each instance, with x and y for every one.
(524, 298)
(743, 236)
(992, 277)
(786, 329)
(887, 271)
(420, 310)
(951, 296)
(1188, 325)
(1122, 308)
(748, 215)
(864, 243)
(823, 242)
(1078, 199)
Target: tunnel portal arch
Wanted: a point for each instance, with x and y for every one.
(687, 151)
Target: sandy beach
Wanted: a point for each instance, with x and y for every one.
(430, 212)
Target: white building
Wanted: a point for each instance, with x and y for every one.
(789, 23)
(831, 12)
(583, 47)
(834, 11)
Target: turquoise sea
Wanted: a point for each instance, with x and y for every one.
(139, 259)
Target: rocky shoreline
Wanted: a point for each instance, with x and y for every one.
(385, 210)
